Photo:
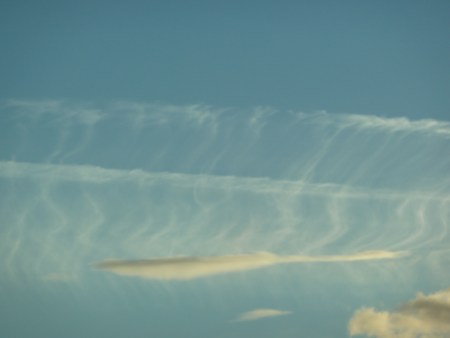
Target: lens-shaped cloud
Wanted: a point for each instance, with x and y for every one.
(425, 316)
(185, 268)
(260, 314)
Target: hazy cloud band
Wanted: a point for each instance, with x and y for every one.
(99, 175)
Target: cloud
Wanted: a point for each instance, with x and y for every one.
(423, 317)
(142, 114)
(100, 175)
(63, 112)
(397, 124)
(185, 268)
(259, 314)
(373, 122)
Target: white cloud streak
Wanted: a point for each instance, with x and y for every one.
(260, 314)
(423, 317)
(387, 124)
(60, 111)
(186, 268)
(99, 175)
(142, 114)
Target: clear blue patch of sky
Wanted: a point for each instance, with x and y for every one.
(379, 57)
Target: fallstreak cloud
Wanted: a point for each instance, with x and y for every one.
(144, 114)
(185, 268)
(205, 182)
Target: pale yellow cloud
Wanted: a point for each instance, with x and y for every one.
(260, 314)
(184, 268)
(423, 317)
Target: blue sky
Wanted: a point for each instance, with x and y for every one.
(239, 169)
(385, 58)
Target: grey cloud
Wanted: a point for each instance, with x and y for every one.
(434, 308)
(185, 268)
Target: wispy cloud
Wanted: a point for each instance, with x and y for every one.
(96, 174)
(259, 119)
(142, 114)
(192, 191)
(63, 112)
(185, 268)
(386, 124)
(423, 317)
(260, 314)
(396, 124)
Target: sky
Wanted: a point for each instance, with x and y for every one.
(225, 169)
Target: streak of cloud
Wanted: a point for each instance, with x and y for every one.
(186, 268)
(260, 314)
(423, 317)
(143, 114)
(100, 175)
(386, 124)
(62, 112)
